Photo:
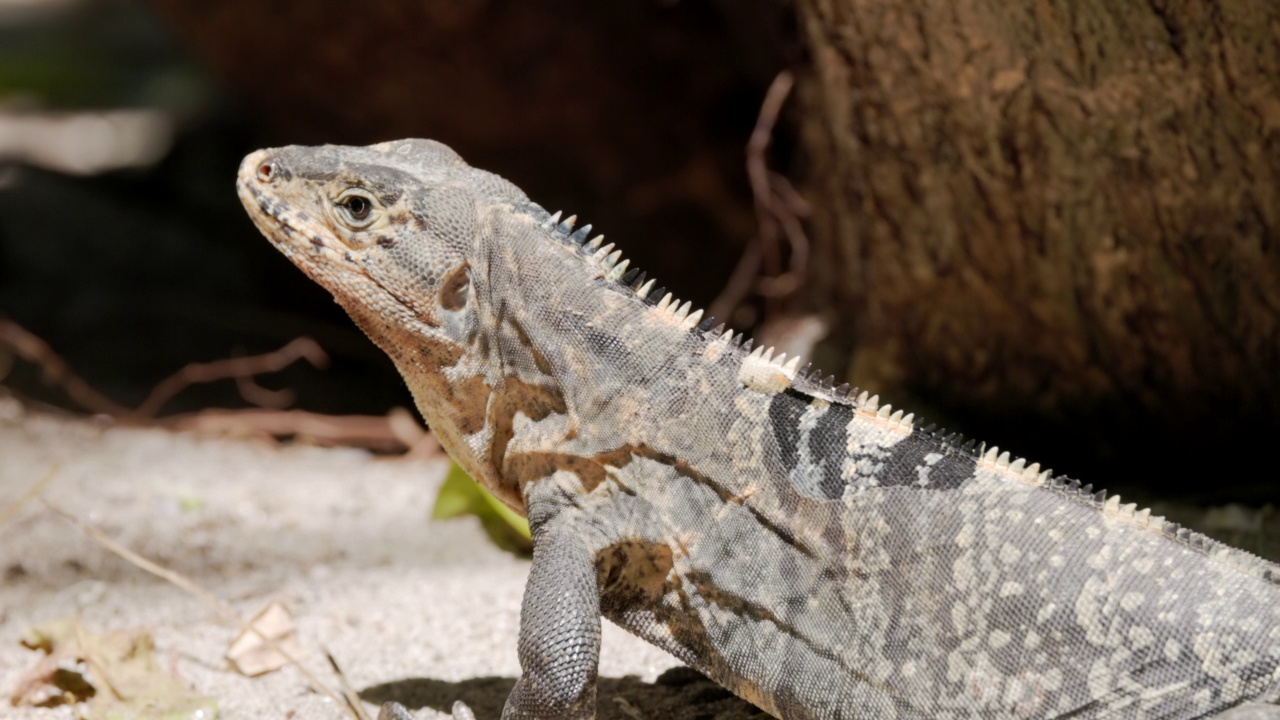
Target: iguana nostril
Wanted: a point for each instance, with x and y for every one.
(266, 172)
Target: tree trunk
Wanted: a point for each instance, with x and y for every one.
(1065, 209)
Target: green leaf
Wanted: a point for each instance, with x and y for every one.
(460, 495)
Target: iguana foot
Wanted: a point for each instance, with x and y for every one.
(396, 711)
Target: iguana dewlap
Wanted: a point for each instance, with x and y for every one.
(819, 555)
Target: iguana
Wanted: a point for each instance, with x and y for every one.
(814, 551)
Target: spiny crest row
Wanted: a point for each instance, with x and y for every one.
(1240, 559)
(1129, 511)
(808, 379)
(616, 270)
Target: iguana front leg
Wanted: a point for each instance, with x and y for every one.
(559, 621)
(559, 631)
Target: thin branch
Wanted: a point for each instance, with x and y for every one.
(348, 693)
(789, 281)
(238, 368)
(396, 431)
(778, 209)
(57, 371)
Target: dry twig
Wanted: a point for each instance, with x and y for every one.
(242, 370)
(36, 488)
(348, 693)
(778, 208)
(56, 371)
(396, 432)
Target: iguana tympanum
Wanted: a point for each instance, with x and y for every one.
(817, 553)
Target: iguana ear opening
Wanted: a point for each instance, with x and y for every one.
(455, 291)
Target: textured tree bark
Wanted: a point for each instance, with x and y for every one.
(1062, 208)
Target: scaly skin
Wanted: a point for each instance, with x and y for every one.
(818, 555)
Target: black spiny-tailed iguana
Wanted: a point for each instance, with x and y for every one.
(817, 554)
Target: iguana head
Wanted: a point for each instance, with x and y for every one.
(390, 229)
(387, 226)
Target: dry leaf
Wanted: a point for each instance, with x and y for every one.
(250, 655)
(114, 675)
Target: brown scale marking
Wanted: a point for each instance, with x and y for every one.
(520, 469)
(623, 455)
(516, 395)
(466, 399)
(527, 467)
(781, 532)
(683, 541)
(591, 472)
(468, 402)
(683, 468)
(634, 573)
(835, 536)
(440, 355)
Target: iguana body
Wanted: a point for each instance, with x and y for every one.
(819, 555)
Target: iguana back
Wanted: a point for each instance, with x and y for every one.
(820, 555)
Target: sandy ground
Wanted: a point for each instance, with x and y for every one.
(418, 611)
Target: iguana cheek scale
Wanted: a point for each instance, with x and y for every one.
(818, 554)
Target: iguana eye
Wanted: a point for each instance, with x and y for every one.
(355, 208)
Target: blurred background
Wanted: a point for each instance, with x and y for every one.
(1051, 228)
